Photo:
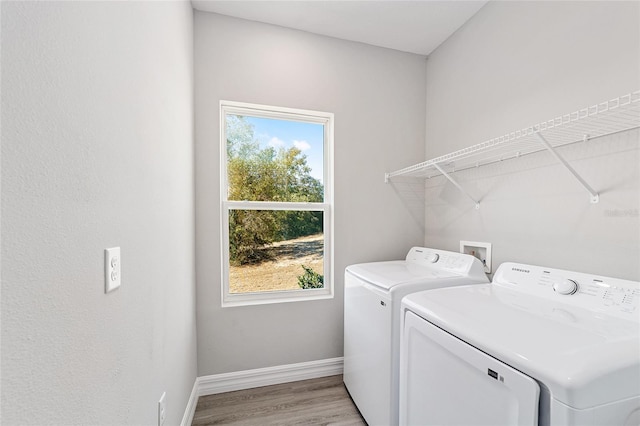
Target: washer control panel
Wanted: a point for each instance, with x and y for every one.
(445, 260)
(608, 295)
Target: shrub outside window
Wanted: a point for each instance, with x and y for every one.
(276, 201)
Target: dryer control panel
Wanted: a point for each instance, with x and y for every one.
(612, 296)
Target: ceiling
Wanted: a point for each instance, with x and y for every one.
(417, 26)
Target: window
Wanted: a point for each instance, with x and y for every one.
(276, 200)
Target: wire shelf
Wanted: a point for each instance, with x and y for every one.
(603, 119)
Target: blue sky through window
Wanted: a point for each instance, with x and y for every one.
(307, 137)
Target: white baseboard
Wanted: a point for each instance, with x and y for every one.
(227, 382)
(187, 418)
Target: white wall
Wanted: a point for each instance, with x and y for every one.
(515, 64)
(97, 151)
(377, 96)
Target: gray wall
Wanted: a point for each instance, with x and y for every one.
(515, 64)
(97, 151)
(377, 96)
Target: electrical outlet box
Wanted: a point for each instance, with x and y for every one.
(480, 250)
(112, 262)
(162, 409)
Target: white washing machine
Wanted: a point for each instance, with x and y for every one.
(537, 346)
(372, 321)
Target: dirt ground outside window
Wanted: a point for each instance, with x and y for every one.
(283, 271)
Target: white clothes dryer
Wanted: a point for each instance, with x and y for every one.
(373, 292)
(537, 346)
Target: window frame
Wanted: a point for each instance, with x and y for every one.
(291, 114)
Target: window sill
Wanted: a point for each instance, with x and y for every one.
(264, 298)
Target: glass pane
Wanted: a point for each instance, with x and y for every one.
(275, 250)
(274, 160)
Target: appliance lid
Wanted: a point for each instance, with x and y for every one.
(585, 358)
(396, 272)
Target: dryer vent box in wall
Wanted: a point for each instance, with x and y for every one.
(480, 250)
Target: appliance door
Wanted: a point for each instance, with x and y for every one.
(367, 349)
(445, 381)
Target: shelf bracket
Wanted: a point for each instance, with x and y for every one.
(445, 174)
(594, 195)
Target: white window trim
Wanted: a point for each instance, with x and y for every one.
(266, 111)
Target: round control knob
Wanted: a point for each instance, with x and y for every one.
(433, 258)
(566, 287)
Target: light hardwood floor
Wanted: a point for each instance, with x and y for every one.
(322, 401)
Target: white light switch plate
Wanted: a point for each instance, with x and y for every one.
(111, 269)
